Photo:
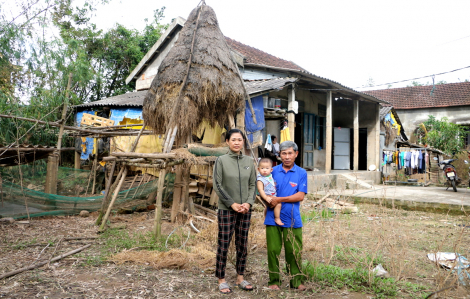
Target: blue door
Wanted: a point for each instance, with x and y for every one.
(309, 139)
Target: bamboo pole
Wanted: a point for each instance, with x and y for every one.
(115, 195)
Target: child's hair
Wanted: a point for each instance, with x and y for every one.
(266, 160)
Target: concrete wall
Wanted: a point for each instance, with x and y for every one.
(367, 119)
(411, 118)
(149, 72)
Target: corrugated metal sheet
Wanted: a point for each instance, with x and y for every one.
(135, 99)
(253, 87)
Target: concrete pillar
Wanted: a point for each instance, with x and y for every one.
(329, 130)
(356, 135)
(291, 116)
(377, 135)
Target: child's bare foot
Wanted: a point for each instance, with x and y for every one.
(278, 221)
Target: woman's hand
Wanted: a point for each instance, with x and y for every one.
(237, 207)
(247, 207)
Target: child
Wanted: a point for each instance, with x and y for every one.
(267, 186)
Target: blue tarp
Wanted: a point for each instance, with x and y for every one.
(89, 141)
(118, 114)
(258, 107)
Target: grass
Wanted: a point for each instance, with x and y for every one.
(315, 214)
(359, 280)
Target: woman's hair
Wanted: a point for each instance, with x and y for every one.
(233, 131)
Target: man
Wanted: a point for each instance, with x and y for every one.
(291, 185)
(275, 145)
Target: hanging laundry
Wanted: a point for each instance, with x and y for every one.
(285, 135)
(269, 143)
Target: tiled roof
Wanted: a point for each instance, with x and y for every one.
(256, 86)
(444, 95)
(256, 56)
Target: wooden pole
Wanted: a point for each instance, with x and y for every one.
(157, 227)
(55, 124)
(93, 187)
(161, 180)
(132, 184)
(177, 191)
(115, 195)
(106, 191)
(51, 177)
(142, 155)
(77, 161)
(44, 263)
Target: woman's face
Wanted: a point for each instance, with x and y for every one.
(235, 142)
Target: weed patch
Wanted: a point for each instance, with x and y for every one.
(359, 280)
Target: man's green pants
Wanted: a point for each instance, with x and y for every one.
(292, 239)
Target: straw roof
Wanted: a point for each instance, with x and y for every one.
(214, 88)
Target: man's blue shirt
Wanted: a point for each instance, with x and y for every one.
(288, 183)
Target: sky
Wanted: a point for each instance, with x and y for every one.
(351, 42)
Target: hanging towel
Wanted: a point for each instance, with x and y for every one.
(269, 143)
(285, 135)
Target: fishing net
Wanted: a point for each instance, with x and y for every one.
(22, 191)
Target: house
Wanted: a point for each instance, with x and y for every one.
(414, 105)
(335, 126)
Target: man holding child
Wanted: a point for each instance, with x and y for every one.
(283, 221)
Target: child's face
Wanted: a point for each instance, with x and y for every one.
(265, 168)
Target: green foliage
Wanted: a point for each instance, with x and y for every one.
(442, 135)
(359, 280)
(316, 214)
(115, 240)
(48, 40)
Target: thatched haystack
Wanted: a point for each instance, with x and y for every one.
(213, 89)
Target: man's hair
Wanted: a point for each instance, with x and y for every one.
(273, 137)
(266, 160)
(287, 145)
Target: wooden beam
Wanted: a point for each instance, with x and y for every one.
(77, 161)
(377, 136)
(35, 149)
(143, 155)
(55, 124)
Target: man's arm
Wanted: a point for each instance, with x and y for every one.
(299, 196)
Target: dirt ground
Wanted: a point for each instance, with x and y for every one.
(121, 263)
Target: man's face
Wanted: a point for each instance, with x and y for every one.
(288, 157)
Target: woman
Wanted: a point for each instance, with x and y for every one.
(234, 183)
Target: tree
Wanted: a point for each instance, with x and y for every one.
(442, 135)
(45, 42)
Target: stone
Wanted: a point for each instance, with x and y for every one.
(7, 220)
(84, 213)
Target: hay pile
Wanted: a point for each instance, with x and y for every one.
(199, 257)
(214, 88)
